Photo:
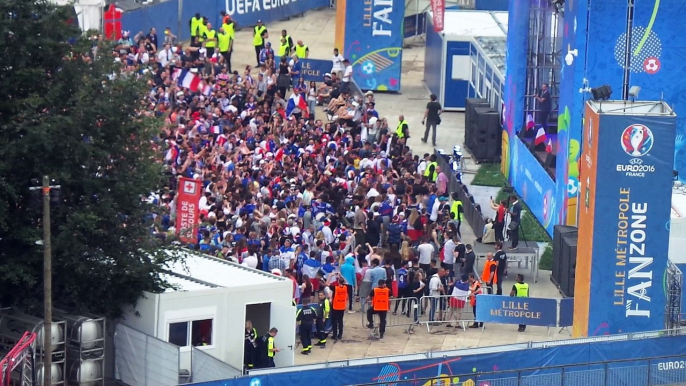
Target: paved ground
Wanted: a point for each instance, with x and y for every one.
(316, 29)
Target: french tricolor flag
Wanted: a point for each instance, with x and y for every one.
(189, 80)
(530, 124)
(206, 89)
(298, 100)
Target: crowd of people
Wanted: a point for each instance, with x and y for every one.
(301, 180)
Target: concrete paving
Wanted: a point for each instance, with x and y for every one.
(316, 29)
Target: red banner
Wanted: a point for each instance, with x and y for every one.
(187, 212)
(438, 11)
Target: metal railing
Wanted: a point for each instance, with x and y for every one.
(666, 370)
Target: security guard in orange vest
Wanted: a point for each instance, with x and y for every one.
(489, 275)
(322, 318)
(340, 301)
(306, 316)
(381, 299)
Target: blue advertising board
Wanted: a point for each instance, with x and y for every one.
(244, 13)
(313, 69)
(566, 317)
(373, 42)
(415, 25)
(627, 160)
(461, 370)
(515, 310)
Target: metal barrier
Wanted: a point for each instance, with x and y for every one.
(446, 309)
(403, 313)
(206, 368)
(668, 370)
(430, 311)
(141, 359)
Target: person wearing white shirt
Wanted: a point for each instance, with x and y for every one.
(328, 234)
(250, 261)
(347, 76)
(372, 193)
(435, 289)
(165, 56)
(426, 252)
(434, 210)
(337, 61)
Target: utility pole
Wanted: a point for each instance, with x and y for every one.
(47, 286)
(47, 280)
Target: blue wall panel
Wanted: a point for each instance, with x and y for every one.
(453, 366)
(433, 59)
(491, 5)
(244, 12)
(160, 16)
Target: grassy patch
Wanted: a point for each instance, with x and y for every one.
(547, 259)
(489, 175)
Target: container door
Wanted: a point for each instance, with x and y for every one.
(457, 74)
(283, 318)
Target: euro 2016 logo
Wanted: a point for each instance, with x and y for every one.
(637, 140)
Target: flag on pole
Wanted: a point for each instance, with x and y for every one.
(530, 124)
(540, 137)
(549, 146)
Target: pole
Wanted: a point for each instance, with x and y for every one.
(47, 286)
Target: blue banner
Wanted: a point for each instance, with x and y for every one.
(244, 13)
(631, 196)
(461, 370)
(374, 43)
(515, 310)
(415, 25)
(313, 69)
(566, 312)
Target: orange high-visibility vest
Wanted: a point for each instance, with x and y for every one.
(381, 300)
(486, 275)
(477, 291)
(340, 297)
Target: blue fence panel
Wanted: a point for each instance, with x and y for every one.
(415, 25)
(160, 16)
(244, 13)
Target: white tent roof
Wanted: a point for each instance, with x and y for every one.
(184, 284)
(475, 23)
(219, 272)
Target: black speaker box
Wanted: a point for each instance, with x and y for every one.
(568, 268)
(487, 120)
(560, 231)
(470, 115)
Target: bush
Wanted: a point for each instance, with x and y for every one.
(489, 175)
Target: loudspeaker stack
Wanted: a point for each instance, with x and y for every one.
(564, 258)
(483, 133)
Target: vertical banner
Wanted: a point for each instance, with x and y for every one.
(374, 43)
(626, 192)
(188, 197)
(515, 79)
(438, 12)
(587, 193)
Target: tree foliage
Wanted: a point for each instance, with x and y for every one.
(62, 115)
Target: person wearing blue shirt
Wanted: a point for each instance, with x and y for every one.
(265, 262)
(377, 272)
(348, 273)
(404, 289)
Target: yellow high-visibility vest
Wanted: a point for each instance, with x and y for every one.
(195, 26)
(203, 30)
(224, 41)
(301, 51)
(455, 210)
(431, 175)
(257, 39)
(283, 49)
(211, 34)
(522, 290)
(399, 131)
(230, 29)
